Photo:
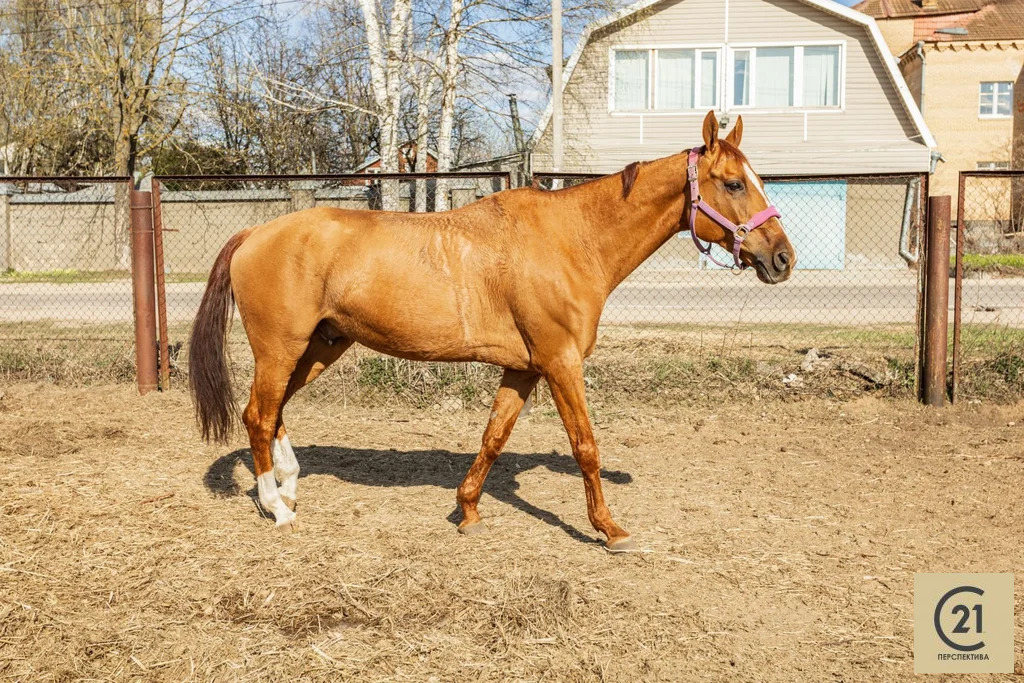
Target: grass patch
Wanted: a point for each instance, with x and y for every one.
(427, 384)
(64, 277)
(1010, 265)
(657, 364)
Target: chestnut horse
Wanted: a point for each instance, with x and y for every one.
(517, 279)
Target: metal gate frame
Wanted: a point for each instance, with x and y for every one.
(958, 262)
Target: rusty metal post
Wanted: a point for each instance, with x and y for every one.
(161, 289)
(936, 302)
(143, 290)
(958, 287)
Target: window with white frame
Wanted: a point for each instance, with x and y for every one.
(682, 78)
(995, 99)
(782, 76)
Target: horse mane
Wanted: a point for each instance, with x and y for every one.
(629, 177)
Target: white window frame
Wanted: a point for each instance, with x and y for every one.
(995, 101)
(798, 77)
(652, 79)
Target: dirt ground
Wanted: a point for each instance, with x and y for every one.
(780, 541)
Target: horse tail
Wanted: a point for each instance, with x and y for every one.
(209, 379)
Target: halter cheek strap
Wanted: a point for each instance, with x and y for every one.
(739, 232)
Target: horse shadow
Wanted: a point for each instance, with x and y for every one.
(441, 468)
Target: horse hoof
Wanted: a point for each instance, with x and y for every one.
(626, 544)
(473, 529)
(287, 528)
(290, 502)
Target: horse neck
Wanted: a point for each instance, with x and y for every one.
(622, 232)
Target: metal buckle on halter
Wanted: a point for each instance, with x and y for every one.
(691, 173)
(742, 232)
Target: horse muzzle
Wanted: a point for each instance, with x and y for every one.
(775, 266)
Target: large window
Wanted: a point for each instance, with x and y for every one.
(777, 77)
(683, 79)
(632, 73)
(996, 98)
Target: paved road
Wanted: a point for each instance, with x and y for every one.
(851, 297)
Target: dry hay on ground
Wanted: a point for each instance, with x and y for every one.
(780, 542)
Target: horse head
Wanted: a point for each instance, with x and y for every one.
(729, 206)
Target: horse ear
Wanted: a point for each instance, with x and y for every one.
(710, 131)
(629, 177)
(736, 134)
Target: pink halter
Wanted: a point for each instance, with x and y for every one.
(739, 232)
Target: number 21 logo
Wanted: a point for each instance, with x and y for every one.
(963, 625)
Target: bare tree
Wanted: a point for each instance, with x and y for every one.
(386, 43)
(40, 133)
(425, 84)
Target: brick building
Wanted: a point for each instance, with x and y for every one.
(960, 59)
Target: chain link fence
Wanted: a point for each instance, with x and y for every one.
(65, 278)
(200, 213)
(851, 307)
(852, 301)
(988, 299)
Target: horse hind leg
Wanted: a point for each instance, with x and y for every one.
(317, 357)
(261, 415)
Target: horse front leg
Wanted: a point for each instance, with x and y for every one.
(565, 378)
(515, 387)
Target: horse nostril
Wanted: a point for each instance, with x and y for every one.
(782, 259)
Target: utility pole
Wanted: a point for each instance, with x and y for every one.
(517, 126)
(517, 131)
(556, 85)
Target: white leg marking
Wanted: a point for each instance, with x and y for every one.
(270, 499)
(754, 182)
(286, 467)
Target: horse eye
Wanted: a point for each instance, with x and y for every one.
(733, 185)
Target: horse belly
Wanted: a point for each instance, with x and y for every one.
(429, 323)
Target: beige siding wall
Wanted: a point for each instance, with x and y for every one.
(874, 216)
(873, 134)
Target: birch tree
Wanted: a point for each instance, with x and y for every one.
(386, 42)
(425, 83)
(449, 87)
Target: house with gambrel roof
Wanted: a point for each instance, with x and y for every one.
(819, 91)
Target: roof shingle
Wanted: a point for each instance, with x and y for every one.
(983, 19)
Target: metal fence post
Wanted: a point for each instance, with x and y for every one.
(161, 289)
(958, 288)
(143, 289)
(936, 302)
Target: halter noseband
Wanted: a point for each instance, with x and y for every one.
(739, 232)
